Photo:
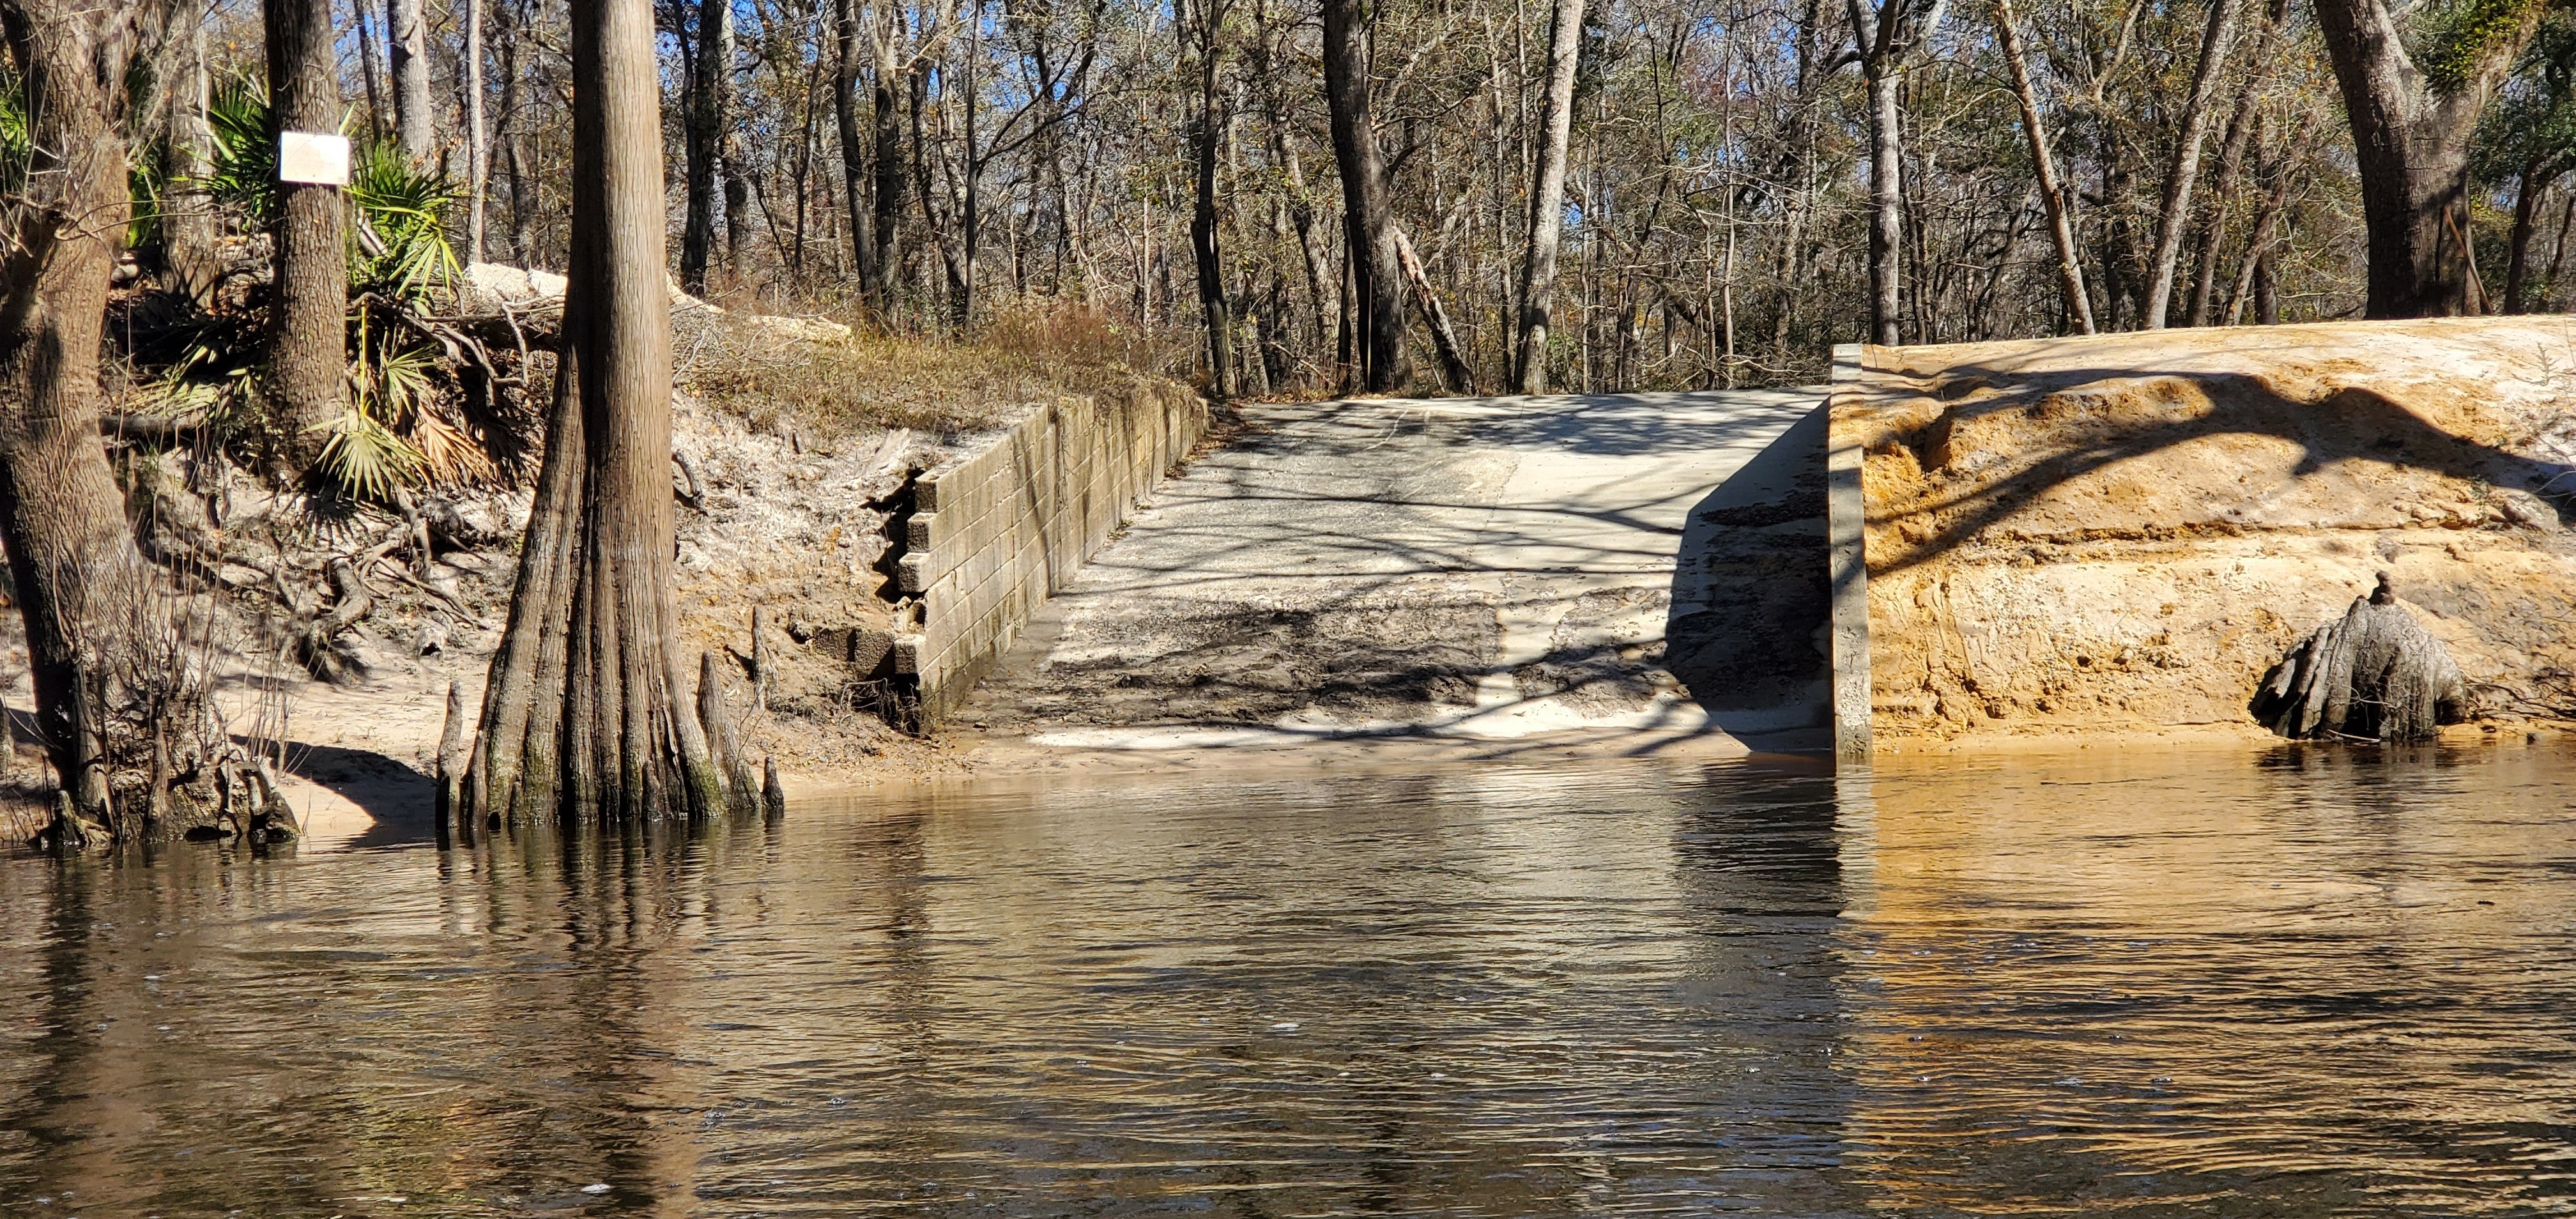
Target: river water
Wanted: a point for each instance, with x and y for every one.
(2301, 983)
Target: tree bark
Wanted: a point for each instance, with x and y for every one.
(962, 278)
(595, 574)
(703, 129)
(2061, 227)
(2375, 674)
(407, 39)
(188, 221)
(1377, 275)
(368, 69)
(2558, 249)
(71, 554)
(885, 117)
(514, 151)
(1885, 41)
(854, 162)
(478, 139)
(2254, 275)
(2175, 214)
(309, 367)
(1547, 201)
(451, 757)
(1215, 311)
(2411, 136)
(1886, 212)
(2534, 178)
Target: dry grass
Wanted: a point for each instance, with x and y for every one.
(873, 381)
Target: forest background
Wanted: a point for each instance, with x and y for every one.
(932, 166)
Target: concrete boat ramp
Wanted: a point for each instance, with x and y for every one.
(1473, 578)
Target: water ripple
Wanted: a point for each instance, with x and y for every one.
(2155, 984)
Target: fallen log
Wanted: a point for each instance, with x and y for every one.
(1444, 340)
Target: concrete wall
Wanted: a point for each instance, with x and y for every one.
(993, 536)
(1847, 572)
(1746, 633)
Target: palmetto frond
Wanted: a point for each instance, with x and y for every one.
(242, 173)
(405, 207)
(365, 460)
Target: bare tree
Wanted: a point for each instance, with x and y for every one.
(586, 713)
(1547, 200)
(478, 136)
(1886, 39)
(702, 135)
(2232, 148)
(2052, 194)
(2175, 214)
(846, 56)
(1200, 27)
(1376, 273)
(515, 154)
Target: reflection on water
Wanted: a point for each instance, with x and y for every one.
(2311, 983)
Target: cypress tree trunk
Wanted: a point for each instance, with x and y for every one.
(1547, 201)
(309, 366)
(2376, 673)
(587, 714)
(1377, 276)
(188, 223)
(71, 553)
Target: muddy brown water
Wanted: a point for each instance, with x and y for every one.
(2297, 983)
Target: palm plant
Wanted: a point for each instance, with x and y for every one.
(402, 228)
(403, 428)
(241, 177)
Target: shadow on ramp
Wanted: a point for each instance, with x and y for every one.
(1747, 634)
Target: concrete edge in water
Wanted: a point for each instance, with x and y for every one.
(1849, 567)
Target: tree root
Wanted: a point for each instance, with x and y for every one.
(2374, 674)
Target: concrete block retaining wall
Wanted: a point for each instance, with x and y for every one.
(1848, 563)
(996, 534)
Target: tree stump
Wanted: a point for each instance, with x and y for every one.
(2374, 674)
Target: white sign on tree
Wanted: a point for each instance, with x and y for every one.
(310, 157)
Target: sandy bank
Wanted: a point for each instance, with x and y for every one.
(2122, 533)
